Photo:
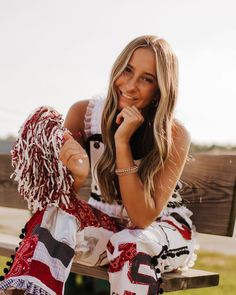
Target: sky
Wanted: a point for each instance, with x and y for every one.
(56, 52)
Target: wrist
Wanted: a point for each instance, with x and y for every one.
(121, 138)
(79, 178)
(121, 143)
(78, 183)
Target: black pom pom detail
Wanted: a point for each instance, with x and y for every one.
(12, 257)
(21, 236)
(9, 263)
(160, 281)
(164, 257)
(6, 270)
(1, 278)
(165, 247)
(161, 291)
(158, 270)
(172, 255)
(23, 230)
(17, 248)
(154, 261)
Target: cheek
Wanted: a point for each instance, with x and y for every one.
(149, 94)
(118, 81)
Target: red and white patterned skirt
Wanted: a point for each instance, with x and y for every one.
(55, 237)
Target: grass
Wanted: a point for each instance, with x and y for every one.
(222, 264)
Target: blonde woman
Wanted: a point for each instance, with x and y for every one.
(137, 152)
(135, 219)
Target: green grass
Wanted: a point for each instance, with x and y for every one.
(3, 261)
(222, 264)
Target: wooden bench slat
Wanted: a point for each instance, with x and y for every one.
(174, 281)
(209, 189)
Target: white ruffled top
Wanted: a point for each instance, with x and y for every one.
(93, 126)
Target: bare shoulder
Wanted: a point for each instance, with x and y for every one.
(74, 120)
(181, 137)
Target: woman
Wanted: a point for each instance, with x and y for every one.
(135, 219)
(138, 164)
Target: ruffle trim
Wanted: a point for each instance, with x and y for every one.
(92, 119)
(30, 288)
(190, 262)
(182, 211)
(113, 210)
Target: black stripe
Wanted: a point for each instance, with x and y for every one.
(55, 248)
(180, 219)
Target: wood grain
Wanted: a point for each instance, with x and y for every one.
(209, 189)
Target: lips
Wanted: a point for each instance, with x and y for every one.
(127, 96)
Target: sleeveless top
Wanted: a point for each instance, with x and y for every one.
(95, 148)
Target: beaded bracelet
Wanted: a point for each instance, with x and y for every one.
(126, 171)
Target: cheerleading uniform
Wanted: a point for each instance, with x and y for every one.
(96, 233)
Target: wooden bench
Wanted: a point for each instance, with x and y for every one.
(209, 188)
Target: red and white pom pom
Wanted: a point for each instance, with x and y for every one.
(42, 178)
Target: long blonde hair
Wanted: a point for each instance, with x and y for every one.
(167, 78)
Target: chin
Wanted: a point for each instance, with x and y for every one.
(122, 103)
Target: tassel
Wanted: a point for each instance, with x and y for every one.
(42, 178)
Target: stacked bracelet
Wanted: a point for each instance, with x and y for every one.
(126, 171)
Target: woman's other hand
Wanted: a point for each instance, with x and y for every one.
(129, 120)
(75, 158)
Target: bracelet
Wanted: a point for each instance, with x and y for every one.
(126, 171)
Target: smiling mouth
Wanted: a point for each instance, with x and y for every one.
(127, 96)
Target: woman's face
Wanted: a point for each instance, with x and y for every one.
(137, 85)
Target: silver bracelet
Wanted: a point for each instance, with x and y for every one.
(126, 171)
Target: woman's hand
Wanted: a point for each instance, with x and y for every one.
(74, 157)
(129, 119)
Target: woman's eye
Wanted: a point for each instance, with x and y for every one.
(148, 80)
(127, 70)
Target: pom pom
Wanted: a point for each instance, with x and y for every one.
(42, 178)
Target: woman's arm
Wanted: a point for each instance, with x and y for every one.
(143, 213)
(72, 153)
(74, 120)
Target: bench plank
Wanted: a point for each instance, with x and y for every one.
(209, 188)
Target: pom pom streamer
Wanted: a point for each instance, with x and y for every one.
(42, 178)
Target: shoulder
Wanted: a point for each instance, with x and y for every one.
(180, 131)
(181, 138)
(74, 120)
(79, 107)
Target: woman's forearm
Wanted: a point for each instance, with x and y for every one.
(78, 183)
(141, 213)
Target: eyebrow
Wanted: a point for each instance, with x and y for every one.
(146, 73)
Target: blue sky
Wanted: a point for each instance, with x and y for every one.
(57, 52)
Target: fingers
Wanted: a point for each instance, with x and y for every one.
(129, 113)
(71, 149)
(119, 118)
(67, 136)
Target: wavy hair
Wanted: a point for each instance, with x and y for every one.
(153, 161)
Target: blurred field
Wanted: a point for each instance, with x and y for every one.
(224, 265)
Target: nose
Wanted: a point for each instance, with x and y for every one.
(131, 85)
